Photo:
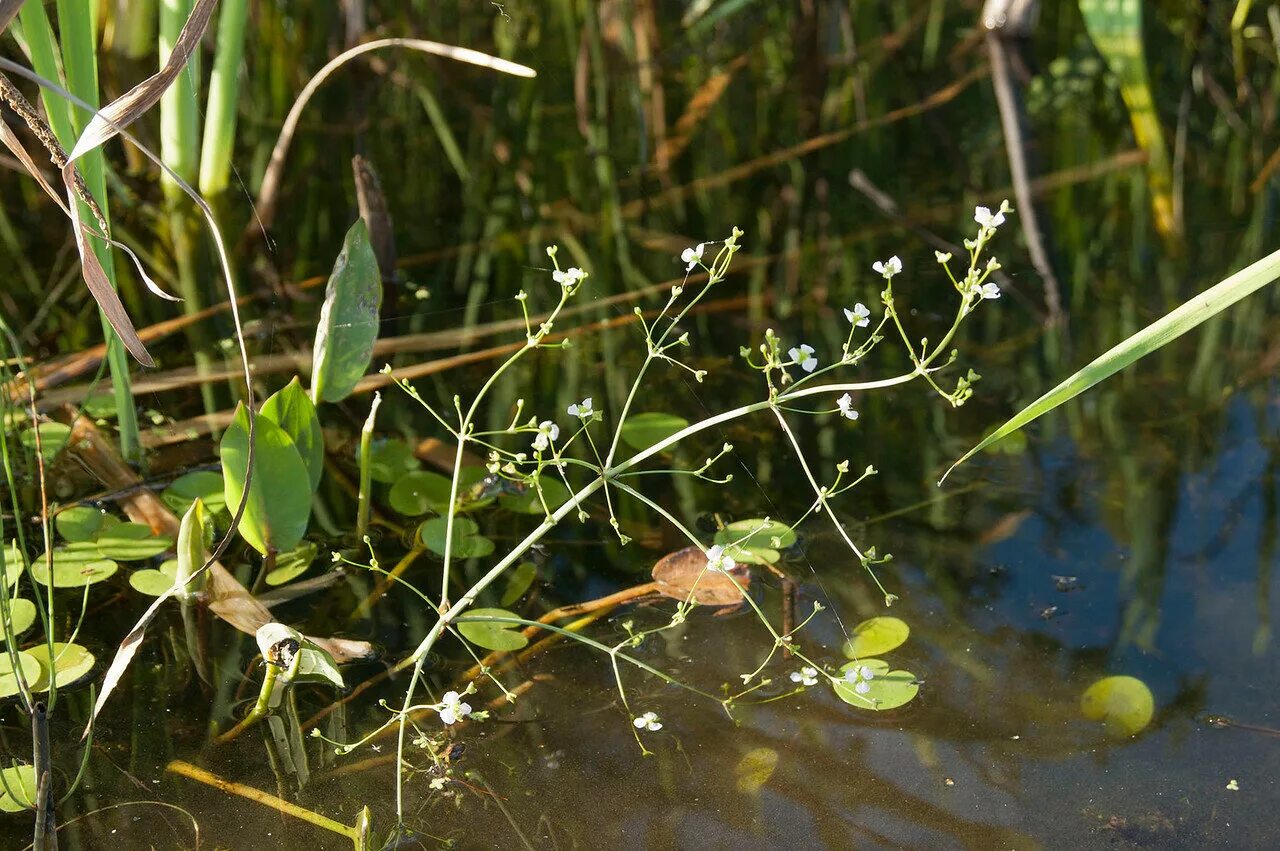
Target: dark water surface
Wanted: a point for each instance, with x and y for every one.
(1133, 532)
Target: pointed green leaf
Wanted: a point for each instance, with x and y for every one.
(348, 319)
(200, 484)
(278, 504)
(292, 410)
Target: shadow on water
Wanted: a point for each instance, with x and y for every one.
(1133, 532)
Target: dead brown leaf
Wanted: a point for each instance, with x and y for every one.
(684, 575)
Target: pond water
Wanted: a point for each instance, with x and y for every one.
(1133, 532)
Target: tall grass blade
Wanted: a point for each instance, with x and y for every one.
(1159, 333)
(224, 93)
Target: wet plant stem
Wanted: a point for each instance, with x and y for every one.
(365, 496)
(261, 708)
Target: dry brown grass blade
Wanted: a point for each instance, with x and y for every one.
(269, 194)
(376, 215)
(706, 97)
(131, 105)
(8, 11)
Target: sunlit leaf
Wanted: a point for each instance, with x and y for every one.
(315, 665)
(278, 504)
(193, 542)
(100, 406)
(755, 768)
(12, 564)
(389, 459)
(71, 661)
(53, 436)
(200, 484)
(518, 582)
(79, 523)
(292, 410)
(293, 564)
(1124, 705)
(757, 533)
(885, 690)
(28, 664)
(22, 614)
(348, 323)
(73, 569)
(755, 555)
(641, 431)
(153, 583)
(432, 531)
(488, 634)
(131, 542)
(875, 636)
(18, 791)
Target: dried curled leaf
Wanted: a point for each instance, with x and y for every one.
(685, 574)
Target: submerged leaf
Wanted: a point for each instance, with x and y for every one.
(527, 502)
(489, 634)
(684, 574)
(518, 582)
(1124, 705)
(348, 323)
(389, 459)
(875, 636)
(755, 768)
(279, 499)
(644, 430)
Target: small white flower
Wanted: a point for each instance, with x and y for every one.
(452, 709)
(568, 277)
(805, 676)
(860, 676)
(692, 256)
(990, 290)
(581, 410)
(717, 560)
(889, 267)
(845, 404)
(648, 721)
(993, 264)
(859, 316)
(547, 432)
(438, 783)
(988, 219)
(943, 257)
(803, 357)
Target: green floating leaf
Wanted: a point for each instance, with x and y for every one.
(488, 634)
(100, 406)
(73, 569)
(756, 533)
(22, 614)
(12, 564)
(477, 546)
(30, 667)
(154, 582)
(518, 582)
(278, 504)
(432, 532)
(875, 636)
(755, 768)
(415, 493)
(71, 662)
(389, 459)
(203, 485)
(1124, 705)
(644, 430)
(19, 781)
(527, 502)
(756, 555)
(348, 323)
(885, 690)
(53, 436)
(293, 564)
(79, 523)
(292, 410)
(131, 542)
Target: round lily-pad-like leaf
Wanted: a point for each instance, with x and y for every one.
(389, 459)
(153, 583)
(432, 531)
(685, 574)
(1124, 705)
(644, 430)
(204, 485)
(70, 661)
(22, 614)
(757, 533)
(527, 502)
(417, 492)
(754, 555)
(131, 542)
(79, 523)
(30, 667)
(12, 565)
(476, 546)
(875, 636)
(885, 690)
(18, 791)
(53, 436)
(73, 569)
(488, 634)
(293, 564)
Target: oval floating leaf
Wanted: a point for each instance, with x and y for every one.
(477, 546)
(348, 319)
(885, 690)
(53, 436)
(488, 634)
(12, 564)
(22, 614)
(131, 542)
(432, 532)
(29, 666)
(279, 499)
(1124, 705)
(418, 492)
(518, 582)
(292, 410)
(644, 430)
(70, 662)
(18, 791)
(73, 569)
(153, 583)
(79, 523)
(684, 575)
(757, 533)
(875, 636)
(389, 459)
(200, 484)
